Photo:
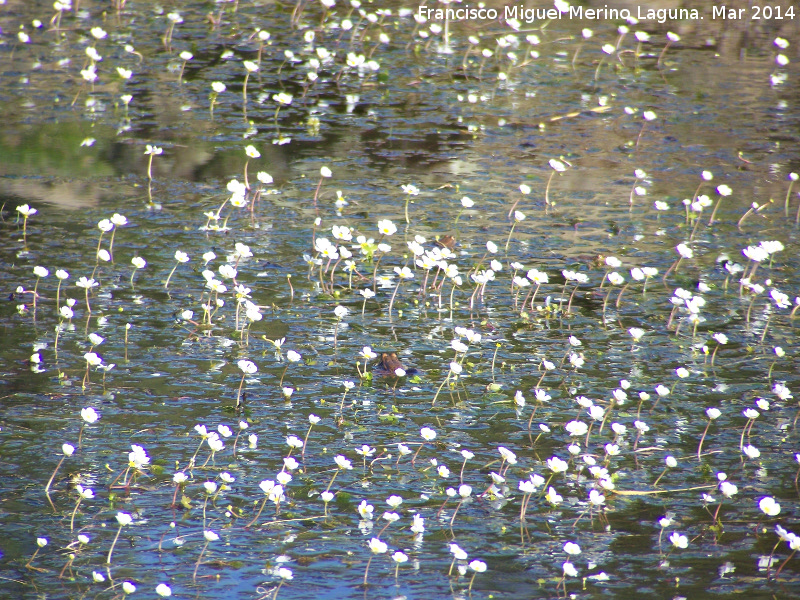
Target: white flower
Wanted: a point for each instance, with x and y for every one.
(92, 358)
(557, 465)
(124, 518)
(596, 498)
(478, 566)
(294, 442)
(572, 548)
(89, 415)
(404, 273)
(751, 451)
(342, 462)
(756, 253)
(365, 510)
(576, 428)
(377, 546)
(537, 277)
(386, 227)
(569, 568)
(427, 434)
(458, 552)
(84, 493)
(678, 540)
(366, 451)
(26, 211)
(769, 506)
(247, 367)
(526, 487)
(391, 516)
(684, 250)
(394, 501)
(597, 413)
(418, 525)
(728, 489)
(553, 496)
(210, 536)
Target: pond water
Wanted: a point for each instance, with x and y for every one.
(582, 249)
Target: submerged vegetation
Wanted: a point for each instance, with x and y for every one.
(482, 309)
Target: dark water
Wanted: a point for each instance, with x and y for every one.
(453, 127)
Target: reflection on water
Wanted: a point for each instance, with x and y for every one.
(552, 112)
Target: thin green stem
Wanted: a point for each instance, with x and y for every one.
(114, 543)
(72, 518)
(510, 233)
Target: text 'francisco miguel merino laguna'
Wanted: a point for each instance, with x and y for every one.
(531, 15)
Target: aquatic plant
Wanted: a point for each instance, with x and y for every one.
(151, 151)
(604, 451)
